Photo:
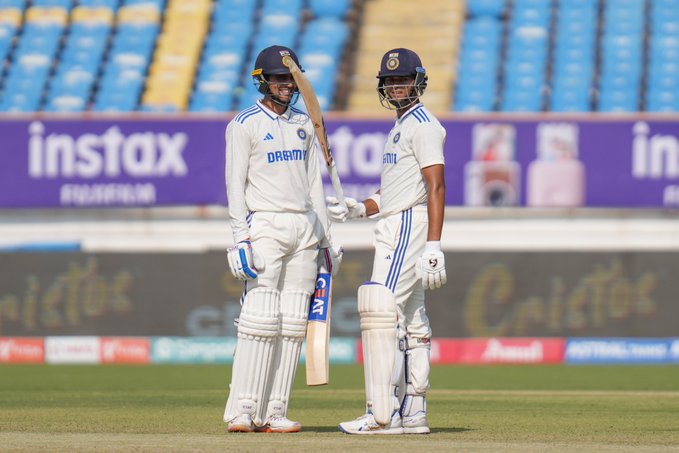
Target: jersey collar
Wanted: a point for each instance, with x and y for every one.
(409, 111)
(273, 115)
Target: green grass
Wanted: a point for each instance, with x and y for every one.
(484, 408)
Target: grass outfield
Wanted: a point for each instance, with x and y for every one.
(471, 409)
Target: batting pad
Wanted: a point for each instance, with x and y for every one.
(294, 312)
(418, 368)
(258, 327)
(377, 309)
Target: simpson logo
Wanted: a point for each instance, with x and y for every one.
(22, 350)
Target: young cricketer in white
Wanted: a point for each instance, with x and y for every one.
(279, 223)
(408, 258)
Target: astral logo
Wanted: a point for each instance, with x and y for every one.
(111, 154)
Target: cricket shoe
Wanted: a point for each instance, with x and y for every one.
(279, 424)
(415, 424)
(366, 424)
(241, 424)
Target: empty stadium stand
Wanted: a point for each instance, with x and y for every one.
(482, 55)
(432, 30)
(149, 55)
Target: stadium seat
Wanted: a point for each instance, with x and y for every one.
(127, 64)
(486, 8)
(24, 86)
(526, 61)
(336, 9)
(10, 24)
(622, 56)
(478, 65)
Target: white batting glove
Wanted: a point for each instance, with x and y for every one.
(431, 266)
(329, 259)
(244, 263)
(338, 213)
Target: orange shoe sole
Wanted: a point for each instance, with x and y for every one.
(240, 429)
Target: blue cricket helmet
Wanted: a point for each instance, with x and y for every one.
(401, 62)
(270, 61)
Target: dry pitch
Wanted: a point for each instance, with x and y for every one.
(472, 409)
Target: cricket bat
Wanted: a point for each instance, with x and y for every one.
(318, 332)
(318, 326)
(314, 111)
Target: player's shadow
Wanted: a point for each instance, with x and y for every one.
(330, 429)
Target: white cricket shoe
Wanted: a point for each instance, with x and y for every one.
(279, 424)
(366, 424)
(241, 424)
(415, 424)
(414, 414)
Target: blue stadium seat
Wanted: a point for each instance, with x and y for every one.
(212, 96)
(494, 8)
(7, 33)
(518, 100)
(619, 100)
(570, 101)
(479, 60)
(337, 9)
(660, 100)
(66, 4)
(276, 6)
(18, 4)
(234, 13)
(110, 4)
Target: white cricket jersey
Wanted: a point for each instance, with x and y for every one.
(416, 141)
(271, 165)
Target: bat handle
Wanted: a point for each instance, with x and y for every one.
(332, 169)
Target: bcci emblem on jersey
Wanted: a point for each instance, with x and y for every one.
(301, 133)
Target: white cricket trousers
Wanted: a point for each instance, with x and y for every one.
(399, 243)
(288, 243)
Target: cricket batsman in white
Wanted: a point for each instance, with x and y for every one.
(280, 229)
(408, 259)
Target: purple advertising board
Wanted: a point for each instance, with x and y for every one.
(111, 162)
(533, 161)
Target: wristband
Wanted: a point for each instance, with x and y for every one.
(432, 246)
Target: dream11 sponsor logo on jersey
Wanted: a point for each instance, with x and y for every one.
(656, 157)
(109, 155)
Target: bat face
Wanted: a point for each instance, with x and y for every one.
(320, 304)
(318, 332)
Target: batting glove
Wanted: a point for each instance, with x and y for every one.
(244, 263)
(338, 213)
(431, 267)
(329, 259)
